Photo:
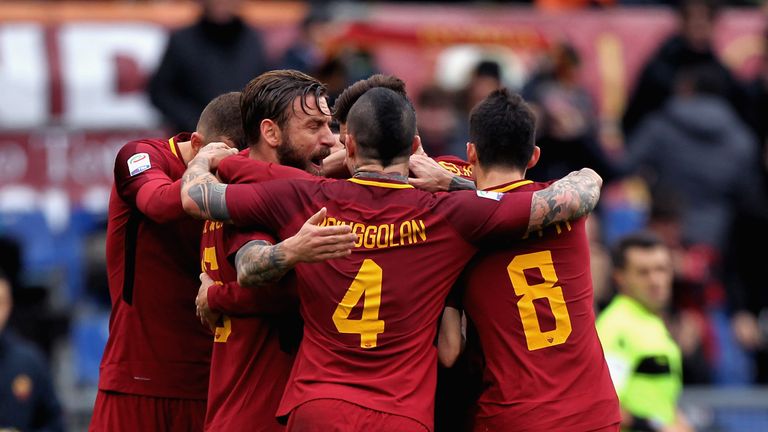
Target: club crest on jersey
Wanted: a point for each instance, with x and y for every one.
(138, 163)
(496, 196)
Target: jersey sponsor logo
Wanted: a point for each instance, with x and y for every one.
(496, 196)
(384, 236)
(138, 163)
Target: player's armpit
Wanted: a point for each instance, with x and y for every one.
(450, 341)
(569, 198)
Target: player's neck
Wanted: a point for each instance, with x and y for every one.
(185, 148)
(263, 153)
(395, 171)
(487, 178)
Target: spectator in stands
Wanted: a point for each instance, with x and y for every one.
(566, 126)
(306, 53)
(690, 45)
(643, 358)
(439, 125)
(218, 54)
(27, 398)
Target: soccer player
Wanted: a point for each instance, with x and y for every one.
(531, 300)
(154, 372)
(645, 361)
(367, 360)
(286, 122)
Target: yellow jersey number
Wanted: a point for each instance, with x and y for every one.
(222, 332)
(536, 338)
(367, 283)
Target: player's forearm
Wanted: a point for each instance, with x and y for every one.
(260, 263)
(569, 198)
(202, 195)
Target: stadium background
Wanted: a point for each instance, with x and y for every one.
(72, 91)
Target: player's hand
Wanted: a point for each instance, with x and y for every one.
(428, 174)
(334, 165)
(203, 311)
(215, 152)
(314, 243)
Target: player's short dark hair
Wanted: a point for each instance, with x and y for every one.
(502, 127)
(221, 119)
(270, 96)
(637, 240)
(351, 94)
(383, 123)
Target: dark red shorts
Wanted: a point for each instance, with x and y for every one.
(116, 412)
(334, 415)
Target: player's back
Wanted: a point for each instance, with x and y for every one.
(371, 317)
(531, 302)
(155, 346)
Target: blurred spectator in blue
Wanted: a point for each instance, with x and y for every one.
(566, 126)
(27, 398)
(690, 46)
(306, 53)
(439, 124)
(218, 54)
(698, 148)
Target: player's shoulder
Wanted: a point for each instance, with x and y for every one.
(456, 165)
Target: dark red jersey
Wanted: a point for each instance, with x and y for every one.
(371, 318)
(532, 305)
(156, 345)
(457, 166)
(248, 369)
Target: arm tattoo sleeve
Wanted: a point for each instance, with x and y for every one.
(460, 183)
(205, 190)
(569, 198)
(259, 262)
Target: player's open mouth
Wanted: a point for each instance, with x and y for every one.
(317, 162)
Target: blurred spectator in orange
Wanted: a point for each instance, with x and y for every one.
(218, 54)
(27, 398)
(438, 123)
(566, 126)
(691, 45)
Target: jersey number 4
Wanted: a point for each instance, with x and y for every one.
(367, 283)
(536, 338)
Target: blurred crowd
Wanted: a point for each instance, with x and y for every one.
(692, 164)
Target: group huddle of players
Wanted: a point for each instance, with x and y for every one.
(322, 298)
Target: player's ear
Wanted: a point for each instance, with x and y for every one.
(271, 132)
(416, 147)
(198, 141)
(471, 153)
(351, 146)
(534, 157)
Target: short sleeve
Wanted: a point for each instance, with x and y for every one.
(137, 164)
(479, 216)
(237, 237)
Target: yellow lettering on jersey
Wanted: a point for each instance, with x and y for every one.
(385, 235)
(222, 332)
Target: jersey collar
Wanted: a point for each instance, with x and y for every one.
(506, 187)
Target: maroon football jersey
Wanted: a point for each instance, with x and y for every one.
(371, 318)
(156, 345)
(248, 368)
(457, 166)
(532, 305)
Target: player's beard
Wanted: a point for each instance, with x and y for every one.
(288, 155)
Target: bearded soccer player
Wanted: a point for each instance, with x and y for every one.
(367, 360)
(154, 371)
(531, 301)
(286, 121)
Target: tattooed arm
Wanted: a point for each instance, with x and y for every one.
(571, 197)
(202, 195)
(259, 263)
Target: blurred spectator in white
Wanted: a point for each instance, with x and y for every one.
(691, 45)
(439, 125)
(27, 398)
(566, 118)
(218, 54)
(306, 53)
